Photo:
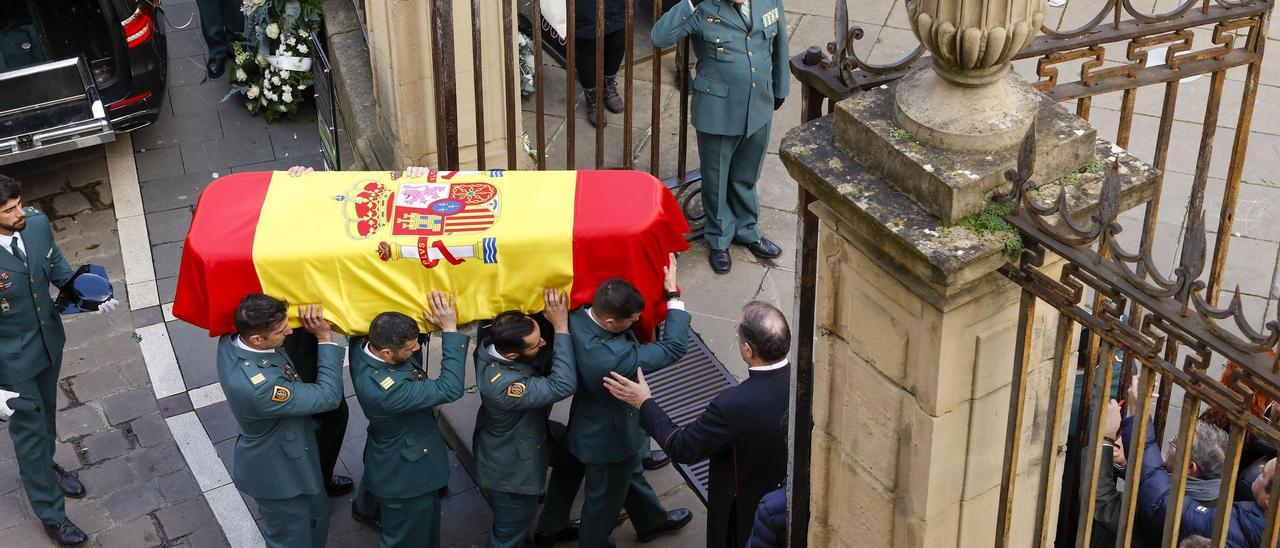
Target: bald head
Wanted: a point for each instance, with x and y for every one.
(764, 332)
(1262, 485)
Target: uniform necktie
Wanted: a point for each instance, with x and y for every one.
(17, 251)
(745, 9)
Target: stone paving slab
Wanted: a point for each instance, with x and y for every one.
(111, 430)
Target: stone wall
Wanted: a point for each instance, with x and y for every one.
(911, 403)
(404, 82)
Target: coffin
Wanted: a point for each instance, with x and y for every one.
(362, 243)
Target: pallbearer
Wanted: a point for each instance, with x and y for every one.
(277, 461)
(405, 458)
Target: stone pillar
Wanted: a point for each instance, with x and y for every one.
(916, 327)
(404, 81)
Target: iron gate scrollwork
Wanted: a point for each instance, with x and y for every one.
(1170, 326)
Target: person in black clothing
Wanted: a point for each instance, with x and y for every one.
(770, 529)
(331, 426)
(743, 431)
(615, 13)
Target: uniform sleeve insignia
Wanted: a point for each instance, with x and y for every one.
(515, 389)
(495, 377)
(280, 394)
(257, 379)
(386, 383)
(416, 374)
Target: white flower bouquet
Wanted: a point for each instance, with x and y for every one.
(273, 68)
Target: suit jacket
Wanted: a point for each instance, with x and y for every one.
(510, 439)
(601, 428)
(743, 434)
(31, 335)
(741, 67)
(276, 453)
(405, 455)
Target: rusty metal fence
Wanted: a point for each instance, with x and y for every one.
(1166, 325)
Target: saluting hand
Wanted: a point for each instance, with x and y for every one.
(298, 171)
(442, 311)
(557, 310)
(633, 392)
(313, 321)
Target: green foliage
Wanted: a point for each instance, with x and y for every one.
(991, 221)
(900, 134)
(1094, 165)
(1069, 180)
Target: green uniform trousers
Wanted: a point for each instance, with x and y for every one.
(296, 522)
(33, 429)
(512, 515)
(730, 168)
(610, 487)
(220, 21)
(410, 523)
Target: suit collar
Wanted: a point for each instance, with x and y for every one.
(727, 12)
(784, 371)
(595, 329)
(275, 356)
(7, 260)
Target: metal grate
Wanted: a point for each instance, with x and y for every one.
(684, 390)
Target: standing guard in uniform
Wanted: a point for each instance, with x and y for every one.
(405, 458)
(31, 337)
(605, 433)
(742, 77)
(277, 461)
(516, 394)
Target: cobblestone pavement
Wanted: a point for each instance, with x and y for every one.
(140, 490)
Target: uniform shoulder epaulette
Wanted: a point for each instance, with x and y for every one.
(382, 377)
(253, 373)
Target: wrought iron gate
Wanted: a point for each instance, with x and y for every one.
(1166, 325)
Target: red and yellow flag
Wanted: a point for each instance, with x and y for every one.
(362, 243)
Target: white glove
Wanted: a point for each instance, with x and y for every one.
(108, 306)
(5, 396)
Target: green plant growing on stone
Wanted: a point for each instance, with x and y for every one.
(900, 134)
(991, 221)
(1094, 165)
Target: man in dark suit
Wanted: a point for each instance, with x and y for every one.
(743, 431)
(604, 433)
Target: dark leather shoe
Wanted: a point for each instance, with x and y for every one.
(676, 519)
(720, 260)
(656, 459)
(216, 67)
(568, 534)
(338, 486)
(69, 483)
(362, 518)
(65, 533)
(764, 249)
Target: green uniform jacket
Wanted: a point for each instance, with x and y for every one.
(741, 69)
(276, 454)
(31, 335)
(603, 429)
(510, 440)
(404, 455)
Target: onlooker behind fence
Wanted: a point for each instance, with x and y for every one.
(770, 528)
(615, 33)
(1203, 478)
(1195, 541)
(1111, 466)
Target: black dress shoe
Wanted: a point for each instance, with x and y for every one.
(362, 518)
(764, 249)
(676, 519)
(338, 486)
(656, 459)
(69, 483)
(65, 533)
(216, 67)
(720, 260)
(568, 534)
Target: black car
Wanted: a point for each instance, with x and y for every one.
(73, 73)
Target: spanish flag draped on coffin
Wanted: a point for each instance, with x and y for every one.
(362, 243)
